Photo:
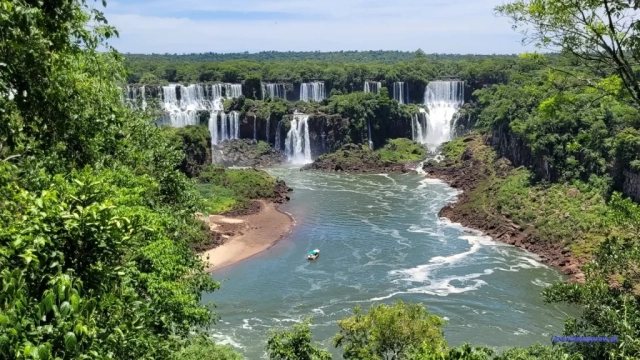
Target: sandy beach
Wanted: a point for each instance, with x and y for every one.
(253, 234)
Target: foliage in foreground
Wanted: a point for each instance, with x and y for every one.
(295, 344)
(96, 221)
(202, 348)
(394, 332)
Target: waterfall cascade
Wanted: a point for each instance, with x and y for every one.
(419, 126)
(229, 127)
(135, 97)
(297, 143)
(369, 131)
(443, 99)
(183, 110)
(401, 92)
(372, 87)
(314, 91)
(267, 131)
(278, 144)
(273, 91)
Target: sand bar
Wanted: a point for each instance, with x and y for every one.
(254, 234)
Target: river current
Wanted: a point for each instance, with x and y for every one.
(380, 241)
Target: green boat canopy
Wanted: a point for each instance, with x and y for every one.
(313, 252)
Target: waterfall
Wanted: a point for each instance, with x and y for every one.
(232, 91)
(235, 125)
(399, 93)
(372, 87)
(216, 91)
(314, 91)
(213, 130)
(443, 99)
(134, 97)
(369, 131)
(273, 91)
(223, 126)
(278, 145)
(229, 126)
(268, 142)
(419, 126)
(182, 112)
(297, 144)
(144, 99)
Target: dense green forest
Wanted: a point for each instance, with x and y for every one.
(341, 76)
(97, 225)
(339, 56)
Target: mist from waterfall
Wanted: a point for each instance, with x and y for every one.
(401, 92)
(273, 91)
(297, 143)
(314, 91)
(372, 87)
(443, 100)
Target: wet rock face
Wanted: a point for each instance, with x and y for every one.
(354, 159)
(246, 152)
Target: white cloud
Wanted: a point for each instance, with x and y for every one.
(436, 26)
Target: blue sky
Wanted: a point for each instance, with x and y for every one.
(192, 26)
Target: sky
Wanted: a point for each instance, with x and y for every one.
(196, 26)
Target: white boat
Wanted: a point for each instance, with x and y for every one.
(313, 254)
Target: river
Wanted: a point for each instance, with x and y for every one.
(381, 241)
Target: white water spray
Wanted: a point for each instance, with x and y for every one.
(297, 144)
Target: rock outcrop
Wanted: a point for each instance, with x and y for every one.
(355, 159)
(246, 152)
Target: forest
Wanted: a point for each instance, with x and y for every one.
(97, 229)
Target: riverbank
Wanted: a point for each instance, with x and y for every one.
(246, 235)
(497, 199)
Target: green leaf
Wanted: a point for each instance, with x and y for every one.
(70, 341)
(44, 351)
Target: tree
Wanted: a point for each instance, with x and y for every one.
(602, 35)
(96, 221)
(202, 348)
(390, 332)
(295, 345)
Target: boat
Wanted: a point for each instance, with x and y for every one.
(313, 254)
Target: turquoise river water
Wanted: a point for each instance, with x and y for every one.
(381, 240)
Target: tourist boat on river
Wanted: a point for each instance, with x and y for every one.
(313, 254)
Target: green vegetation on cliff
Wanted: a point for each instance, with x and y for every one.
(359, 158)
(402, 150)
